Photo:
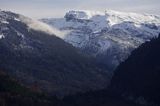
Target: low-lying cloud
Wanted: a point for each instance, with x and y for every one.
(40, 26)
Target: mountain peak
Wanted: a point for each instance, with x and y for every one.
(83, 14)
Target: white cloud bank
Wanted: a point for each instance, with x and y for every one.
(40, 26)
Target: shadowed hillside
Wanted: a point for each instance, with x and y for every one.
(138, 78)
(12, 93)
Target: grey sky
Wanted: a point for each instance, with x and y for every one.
(57, 8)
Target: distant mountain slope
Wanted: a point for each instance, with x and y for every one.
(138, 78)
(110, 36)
(30, 52)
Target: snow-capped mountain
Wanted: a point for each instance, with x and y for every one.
(31, 53)
(110, 36)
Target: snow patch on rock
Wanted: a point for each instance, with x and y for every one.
(2, 36)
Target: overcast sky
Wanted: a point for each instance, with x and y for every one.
(57, 8)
